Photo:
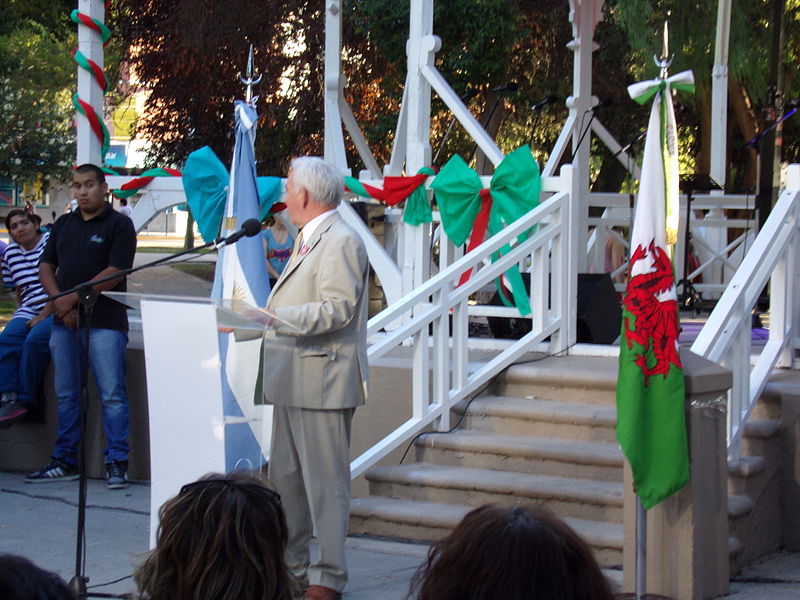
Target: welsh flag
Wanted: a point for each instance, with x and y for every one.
(651, 426)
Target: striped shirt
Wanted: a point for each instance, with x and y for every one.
(21, 270)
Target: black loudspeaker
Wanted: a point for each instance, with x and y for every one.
(599, 310)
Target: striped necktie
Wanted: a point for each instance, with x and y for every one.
(298, 243)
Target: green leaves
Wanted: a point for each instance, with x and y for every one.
(36, 76)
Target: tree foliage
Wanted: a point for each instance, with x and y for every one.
(188, 56)
(36, 76)
(692, 28)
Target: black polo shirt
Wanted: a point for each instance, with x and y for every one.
(81, 249)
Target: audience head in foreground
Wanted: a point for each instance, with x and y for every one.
(222, 537)
(510, 553)
(20, 579)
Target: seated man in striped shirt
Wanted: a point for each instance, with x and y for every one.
(24, 350)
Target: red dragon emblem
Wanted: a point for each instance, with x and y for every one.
(656, 320)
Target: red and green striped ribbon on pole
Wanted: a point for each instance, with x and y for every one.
(94, 24)
(134, 185)
(93, 68)
(396, 189)
(95, 122)
(84, 108)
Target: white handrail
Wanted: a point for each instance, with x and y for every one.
(725, 338)
(441, 359)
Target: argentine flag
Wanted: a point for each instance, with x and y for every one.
(241, 275)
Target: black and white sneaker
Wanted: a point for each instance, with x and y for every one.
(117, 475)
(56, 470)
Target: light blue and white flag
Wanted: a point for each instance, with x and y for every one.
(241, 274)
(241, 268)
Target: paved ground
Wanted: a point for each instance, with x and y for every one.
(39, 521)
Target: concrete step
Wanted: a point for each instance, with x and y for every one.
(522, 454)
(745, 473)
(541, 418)
(761, 437)
(769, 404)
(430, 521)
(565, 496)
(739, 506)
(582, 379)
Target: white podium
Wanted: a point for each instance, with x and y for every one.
(200, 385)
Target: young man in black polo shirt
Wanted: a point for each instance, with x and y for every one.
(89, 243)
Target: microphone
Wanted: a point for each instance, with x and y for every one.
(249, 228)
(602, 104)
(542, 103)
(509, 87)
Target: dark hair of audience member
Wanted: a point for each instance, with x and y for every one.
(222, 537)
(20, 579)
(510, 553)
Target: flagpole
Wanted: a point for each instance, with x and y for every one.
(641, 550)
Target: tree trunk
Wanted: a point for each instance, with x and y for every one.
(188, 237)
(703, 160)
(493, 116)
(748, 125)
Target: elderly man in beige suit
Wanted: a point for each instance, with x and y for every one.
(316, 378)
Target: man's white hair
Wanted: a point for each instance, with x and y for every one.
(323, 181)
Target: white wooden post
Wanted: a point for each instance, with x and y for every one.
(574, 241)
(415, 258)
(719, 93)
(422, 45)
(334, 138)
(582, 16)
(89, 148)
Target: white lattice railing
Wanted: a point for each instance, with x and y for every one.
(719, 240)
(726, 337)
(433, 317)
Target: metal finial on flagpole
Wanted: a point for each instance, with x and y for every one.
(665, 60)
(249, 80)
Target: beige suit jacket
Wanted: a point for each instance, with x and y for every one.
(324, 293)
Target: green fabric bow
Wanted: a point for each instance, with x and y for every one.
(644, 91)
(205, 182)
(469, 211)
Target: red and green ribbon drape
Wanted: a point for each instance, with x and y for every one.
(470, 211)
(395, 190)
(84, 108)
(134, 185)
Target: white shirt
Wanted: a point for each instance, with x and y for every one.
(310, 227)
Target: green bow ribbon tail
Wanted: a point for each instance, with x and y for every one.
(468, 211)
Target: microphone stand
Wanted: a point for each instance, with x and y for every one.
(87, 298)
(583, 135)
(756, 143)
(465, 98)
(762, 203)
